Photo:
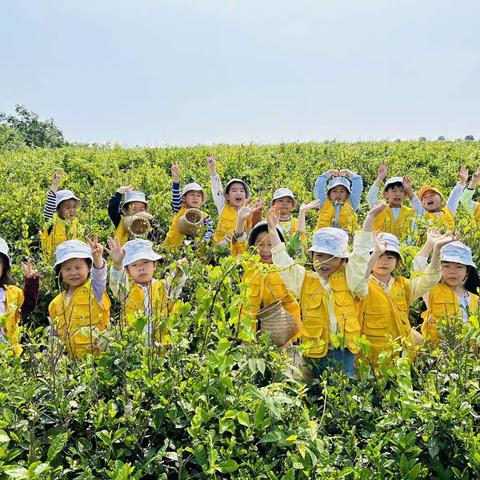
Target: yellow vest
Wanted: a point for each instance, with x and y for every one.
(446, 218)
(174, 238)
(293, 228)
(14, 299)
(160, 304)
(385, 222)
(383, 316)
(315, 318)
(121, 233)
(443, 303)
(56, 232)
(347, 220)
(477, 212)
(263, 289)
(75, 319)
(226, 223)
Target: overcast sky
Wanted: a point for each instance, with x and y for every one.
(156, 72)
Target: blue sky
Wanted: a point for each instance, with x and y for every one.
(156, 72)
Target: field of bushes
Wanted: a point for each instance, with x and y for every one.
(218, 403)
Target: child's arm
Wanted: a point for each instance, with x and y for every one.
(302, 214)
(176, 197)
(216, 184)
(320, 188)
(378, 250)
(372, 195)
(99, 268)
(457, 190)
(243, 214)
(118, 280)
(114, 204)
(466, 198)
(356, 270)
(257, 211)
(357, 187)
(292, 273)
(31, 288)
(412, 196)
(50, 204)
(207, 223)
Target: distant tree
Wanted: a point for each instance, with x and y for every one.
(34, 131)
(469, 138)
(10, 139)
(422, 139)
(441, 138)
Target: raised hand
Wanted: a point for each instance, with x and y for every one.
(307, 206)
(372, 215)
(345, 172)
(175, 171)
(258, 205)
(56, 178)
(244, 213)
(115, 252)
(382, 171)
(463, 175)
(273, 218)
(380, 247)
(446, 238)
(212, 164)
(408, 183)
(475, 179)
(332, 172)
(28, 271)
(97, 251)
(125, 189)
(432, 235)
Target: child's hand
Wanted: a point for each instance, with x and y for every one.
(432, 235)
(97, 251)
(382, 171)
(28, 271)
(446, 238)
(380, 247)
(244, 213)
(175, 171)
(463, 175)
(273, 218)
(307, 206)
(475, 179)
(377, 209)
(258, 205)
(345, 172)
(56, 178)
(333, 173)
(125, 189)
(407, 183)
(115, 252)
(212, 164)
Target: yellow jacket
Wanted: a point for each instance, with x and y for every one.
(446, 218)
(385, 222)
(347, 219)
(160, 306)
(293, 228)
(56, 232)
(226, 224)
(14, 299)
(263, 289)
(315, 316)
(443, 303)
(121, 233)
(174, 238)
(77, 320)
(383, 316)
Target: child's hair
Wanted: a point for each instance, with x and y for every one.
(59, 267)
(472, 283)
(393, 185)
(5, 279)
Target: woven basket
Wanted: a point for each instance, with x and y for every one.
(280, 324)
(190, 222)
(137, 225)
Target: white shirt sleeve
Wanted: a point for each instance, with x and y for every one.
(372, 196)
(292, 273)
(356, 269)
(454, 198)
(217, 193)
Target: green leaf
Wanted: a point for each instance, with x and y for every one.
(259, 415)
(228, 466)
(57, 445)
(243, 419)
(4, 438)
(104, 436)
(14, 471)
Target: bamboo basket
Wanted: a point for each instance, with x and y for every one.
(190, 222)
(137, 225)
(279, 323)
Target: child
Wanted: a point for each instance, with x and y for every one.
(83, 309)
(456, 295)
(135, 203)
(193, 196)
(284, 200)
(131, 280)
(396, 218)
(60, 213)
(383, 313)
(339, 201)
(429, 202)
(265, 287)
(327, 295)
(467, 197)
(228, 202)
(15, 302)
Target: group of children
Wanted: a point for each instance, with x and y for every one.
(346, 295)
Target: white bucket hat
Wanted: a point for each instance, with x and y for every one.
(72, 249)
(457, 252)
(194, 187)
(4, 250)
(393, 245)
(139, 250)
(63, 195)
(284, 192)
(237, 180)
(333, 241)
(344, 182)
(392, 180)
(261, 227)
(134, 196)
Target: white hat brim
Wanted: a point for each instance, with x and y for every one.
(129, 259)
(328, 252)
(71, 255)
(456, 259)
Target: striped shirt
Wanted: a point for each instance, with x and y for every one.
(50, 206)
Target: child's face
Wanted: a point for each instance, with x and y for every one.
(431, 201)
(338, 195)
(284, 204)
(75, 272)
(326, 264)
(263, 245)
(236, 195)
(141, 271)
(193, 199)
(385, 265)
(453, 274)
(394, 196)
(135, 207)
(67, 210)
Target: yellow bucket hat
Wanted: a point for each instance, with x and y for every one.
(425, 188)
